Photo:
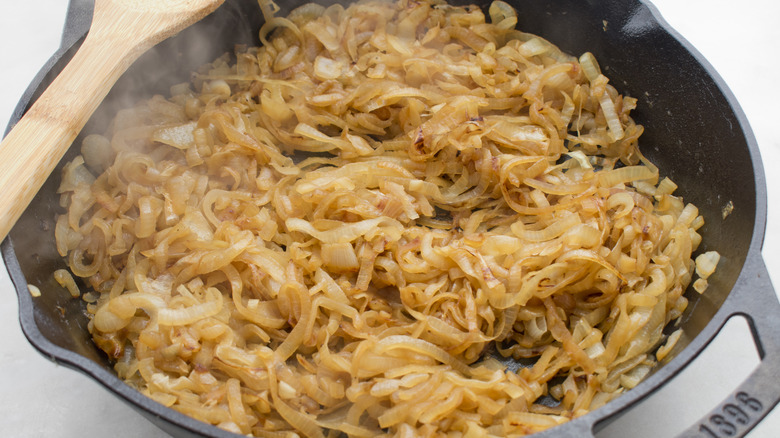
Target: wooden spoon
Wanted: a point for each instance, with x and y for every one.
(121, 31)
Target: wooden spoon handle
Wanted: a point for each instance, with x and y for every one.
(121, 31)
(36, 144)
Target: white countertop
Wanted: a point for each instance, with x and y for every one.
(40, 398)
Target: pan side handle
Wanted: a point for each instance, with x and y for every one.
(755, 397)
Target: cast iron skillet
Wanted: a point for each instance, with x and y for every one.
(694, 130)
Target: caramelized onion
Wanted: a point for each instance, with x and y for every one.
(335, 230)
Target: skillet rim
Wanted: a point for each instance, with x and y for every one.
(157, 412)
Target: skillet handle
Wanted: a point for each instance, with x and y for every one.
(756, 300)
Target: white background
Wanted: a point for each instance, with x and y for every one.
(39, 398)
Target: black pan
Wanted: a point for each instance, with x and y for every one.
(695, 132)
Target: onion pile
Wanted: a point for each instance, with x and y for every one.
(392, 219)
